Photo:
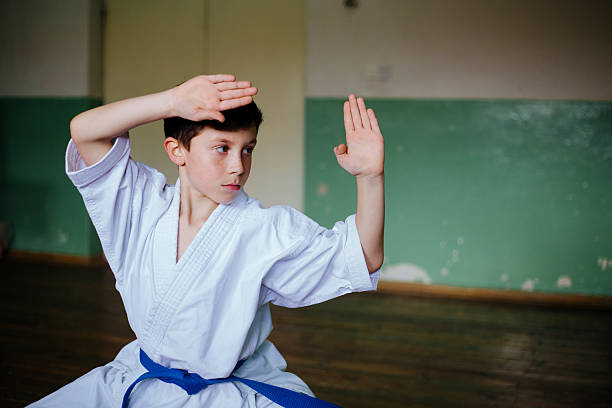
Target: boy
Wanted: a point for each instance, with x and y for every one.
(196, 264)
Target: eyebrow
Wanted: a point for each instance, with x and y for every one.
(223, 140)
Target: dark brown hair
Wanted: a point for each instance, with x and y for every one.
(245, 117)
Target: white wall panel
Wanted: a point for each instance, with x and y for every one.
(460, 49)
(47, 48)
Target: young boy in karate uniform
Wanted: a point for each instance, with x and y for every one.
(197, 263)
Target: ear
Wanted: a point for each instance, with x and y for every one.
(175, 151)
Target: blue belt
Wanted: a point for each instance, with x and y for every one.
(193, 383)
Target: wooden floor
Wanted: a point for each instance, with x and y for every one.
(361, 350)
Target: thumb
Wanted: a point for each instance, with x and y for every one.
(216, 115)
(340, 152)
(207, 114)
(340, 149)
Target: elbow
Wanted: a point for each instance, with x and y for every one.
(75, 128)
(375, 264)
(374, 269)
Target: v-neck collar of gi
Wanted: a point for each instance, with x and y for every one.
(166, 237)
(172, 280)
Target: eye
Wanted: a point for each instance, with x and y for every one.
(247, 150)
(222, 149)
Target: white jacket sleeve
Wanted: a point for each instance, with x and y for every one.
(322, 264)
(117, 192)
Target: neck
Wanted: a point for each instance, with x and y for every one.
(195, 207)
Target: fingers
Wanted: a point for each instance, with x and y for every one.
(356, 116)
(224, 86)
(373, 121)
(355, 112)
(365, 120)
(235, 103)
(237, 93)
(215, 79)
(348, 119)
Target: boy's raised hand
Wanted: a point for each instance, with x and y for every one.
(363, 155)
(205, 96)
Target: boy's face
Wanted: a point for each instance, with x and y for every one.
(218, 162)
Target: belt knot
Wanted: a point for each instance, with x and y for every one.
(192, 383)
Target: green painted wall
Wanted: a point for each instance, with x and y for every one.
(46, 210)
(482, 193)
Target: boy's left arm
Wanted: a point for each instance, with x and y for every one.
(363, 156)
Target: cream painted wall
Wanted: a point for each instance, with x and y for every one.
(264, 41)
(151, 46)
(50, 48)
(155, 47)
(545, 49)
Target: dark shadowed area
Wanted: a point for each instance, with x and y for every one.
(360, 350)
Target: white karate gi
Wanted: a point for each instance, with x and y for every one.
(209, 310)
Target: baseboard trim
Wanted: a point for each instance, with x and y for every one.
(20, 255)
(403, 288)
(497, 295)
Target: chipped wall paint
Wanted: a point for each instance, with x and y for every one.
(322, 189)
(604, 263)
(482, 193)
(405, 272)
(529, 285)
(564, 282)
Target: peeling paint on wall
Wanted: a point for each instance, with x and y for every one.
(564, 282)
(62, 237)
(322, 189)
(529, 285)
(604, 263)
(551, 195)
(455, 257)
(405, 272)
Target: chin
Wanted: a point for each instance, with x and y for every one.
(227, 201)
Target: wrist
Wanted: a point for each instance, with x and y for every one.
(167, 103)
(370, 178)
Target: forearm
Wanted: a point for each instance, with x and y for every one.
(93, 130)
(370, 218)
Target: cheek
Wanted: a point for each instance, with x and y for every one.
(247, 166)
(204, 167)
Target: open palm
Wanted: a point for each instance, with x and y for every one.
(364, 151)
(205, 96)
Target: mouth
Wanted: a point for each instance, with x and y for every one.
(232, 187)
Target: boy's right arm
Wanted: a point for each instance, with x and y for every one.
(200, 98)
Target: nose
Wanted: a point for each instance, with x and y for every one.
(236, 165)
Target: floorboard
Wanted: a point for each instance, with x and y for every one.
(360, 350)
